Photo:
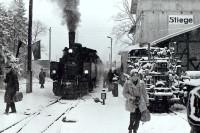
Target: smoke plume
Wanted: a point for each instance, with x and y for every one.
(71, 13)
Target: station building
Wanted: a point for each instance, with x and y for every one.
(166, 22)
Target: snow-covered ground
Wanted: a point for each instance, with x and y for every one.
(82, 115)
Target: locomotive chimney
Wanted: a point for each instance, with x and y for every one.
(71, 38)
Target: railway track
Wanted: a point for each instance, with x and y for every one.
(7, 128)
(20, 125)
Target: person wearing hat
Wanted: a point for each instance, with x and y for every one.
(136, 99)
(110, 79)
(12, 86)
(42, 76)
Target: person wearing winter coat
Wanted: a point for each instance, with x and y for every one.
(12, 86)
(136, 99)
(109, 79)
(42, 76)
(105, 79)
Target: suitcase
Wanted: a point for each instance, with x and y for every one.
(18, 97)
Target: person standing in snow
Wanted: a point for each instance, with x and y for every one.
(109, 79)
(105, 79)
(136, 99)
(12, 86)
(42, 76)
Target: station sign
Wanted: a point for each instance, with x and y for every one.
(181, 19)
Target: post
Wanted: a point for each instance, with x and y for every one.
(29, 71)
(188, 51)
(110, 51)
(49, 44)
(149, 52)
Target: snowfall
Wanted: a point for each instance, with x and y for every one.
(39, 112)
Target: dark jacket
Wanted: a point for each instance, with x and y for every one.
(42, 76)
(12, 85)
(110, 76)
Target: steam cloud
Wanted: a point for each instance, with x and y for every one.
(71, 13)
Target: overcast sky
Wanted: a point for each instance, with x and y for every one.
(96, 23)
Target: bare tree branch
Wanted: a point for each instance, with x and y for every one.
(124, 22)
(38, 29)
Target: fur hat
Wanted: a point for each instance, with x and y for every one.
(133, 71)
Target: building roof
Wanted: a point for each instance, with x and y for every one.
(131, 47)
(175, 34)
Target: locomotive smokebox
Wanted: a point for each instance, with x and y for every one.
(71, 38)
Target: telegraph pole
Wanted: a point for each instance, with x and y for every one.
(49, 44)
(29, 70)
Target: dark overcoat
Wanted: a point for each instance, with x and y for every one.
(12, 86)
(42, 76)
(110, 76)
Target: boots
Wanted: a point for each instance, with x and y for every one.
(129, 131)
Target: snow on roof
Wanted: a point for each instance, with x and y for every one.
(194, 78)
(131, 47)
(161, 61)
(174, 34)
(193, 73)
(163, 93)
(192, 82)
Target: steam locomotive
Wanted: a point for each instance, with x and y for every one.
(76, 72)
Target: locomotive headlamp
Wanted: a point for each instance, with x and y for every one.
(86, 72)
(70, 51)
(54, 71)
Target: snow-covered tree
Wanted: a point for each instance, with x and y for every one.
(4, 32)
(18, 29)
(125, 23)
(13, 25)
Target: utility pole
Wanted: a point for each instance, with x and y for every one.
(110, 51)
(49, 44)
(29, 71)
